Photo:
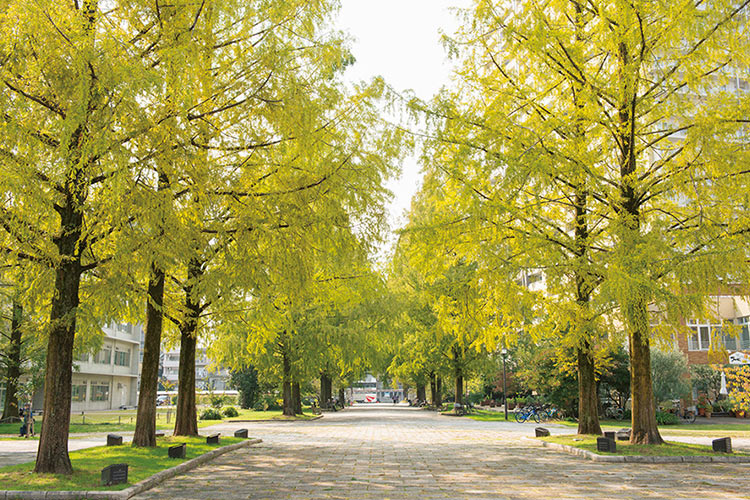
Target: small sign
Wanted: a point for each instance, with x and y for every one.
(177, 451)
(723, 445)
(115, 474)
(114, 440)
(240, 433)
(212, 439)
(541, 432)
(606, 445)
(739, 358)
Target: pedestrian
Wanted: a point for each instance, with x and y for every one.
(28, 421)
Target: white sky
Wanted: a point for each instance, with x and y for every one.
(400, 41)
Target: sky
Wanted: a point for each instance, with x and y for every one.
(400, 41)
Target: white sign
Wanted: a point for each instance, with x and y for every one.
(739, 358)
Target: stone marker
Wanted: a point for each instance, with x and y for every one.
(240, 433)
(541, 432)
(723, 445)
(160, 434)
(213, 439)
(115, 474)
(610, 435)
(177, 451)
(114, 440)
(623, 435)
(606, 444)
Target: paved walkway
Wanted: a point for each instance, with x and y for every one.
(403, 453)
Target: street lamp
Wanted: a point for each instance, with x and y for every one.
(504, 352)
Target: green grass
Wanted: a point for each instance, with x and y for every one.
(267, 415)
(115, 421)
(670, 449)
(738, 430)
(88, 463)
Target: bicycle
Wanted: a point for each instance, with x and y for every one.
(529, 412)
(553, 413)
(687, 415)
(614, 412)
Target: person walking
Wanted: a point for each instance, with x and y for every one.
(28, 421)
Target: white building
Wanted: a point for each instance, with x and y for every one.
(207, 377)
(109, 379)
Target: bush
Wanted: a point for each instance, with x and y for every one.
(231, 411)
(211, 414)
(217, 400)
(665, 418)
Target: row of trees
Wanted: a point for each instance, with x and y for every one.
(601, 145)
(202, 158)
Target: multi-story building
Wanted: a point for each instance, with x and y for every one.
(208, 376)
(108, 379)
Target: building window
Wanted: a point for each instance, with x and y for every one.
(83, 357)
(744, 340)
(122, 358)
(79, 392)
(104, 356)
(100, 391)
(700, 338)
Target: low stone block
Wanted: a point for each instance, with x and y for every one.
(610, 435)
(115, 474)
(114, 440)
(240, 433)
(606, 444)
(213, 439)
(541, 432)
(159, 434)
(623, 435)
(722, 445)
(177, 451)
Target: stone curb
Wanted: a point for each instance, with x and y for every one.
(640, 459)
(144, 485)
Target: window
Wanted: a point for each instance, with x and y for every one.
(700, 338)
(122, 358)
(99, 391)
(104, 356)
(744, 340)
(83, 357)
(79, 392)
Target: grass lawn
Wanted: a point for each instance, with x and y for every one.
(697, 429)
(88, 463)
(268, 415)
(114, 421)
(625, 448)
(493, 416)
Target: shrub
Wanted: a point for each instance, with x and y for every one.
(217, 400)
(231, 411)
(211, 414)
(665, 418)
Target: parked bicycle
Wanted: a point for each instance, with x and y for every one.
(551, 412)
(687, 415)
(528, 412)
(614, 412)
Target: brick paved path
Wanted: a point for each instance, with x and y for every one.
(396, 453)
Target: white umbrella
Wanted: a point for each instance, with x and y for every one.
(723, 389)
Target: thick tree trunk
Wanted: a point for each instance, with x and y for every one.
(52, 456)
(297, 397)
(342, 397)
(186, 419)
(645, 430)
(10, 407)
(433, 388)
(286, 385)
(437, 397)
(145, 423)
(459, 388)
(325, 390)
(588, 400)
(421, 393)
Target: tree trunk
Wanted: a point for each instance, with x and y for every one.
(52, 456)
(433, 388)
(588, 400)
(342, 397)
(286, 386)
(438, 396)
(145, 423)
(459, 387)
(325, 390)
(186, 420)
(297, 397)
(421, 393)
(10, 407)
(645, 430)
